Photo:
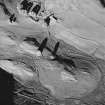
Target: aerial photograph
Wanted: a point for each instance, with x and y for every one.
(52, 52)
